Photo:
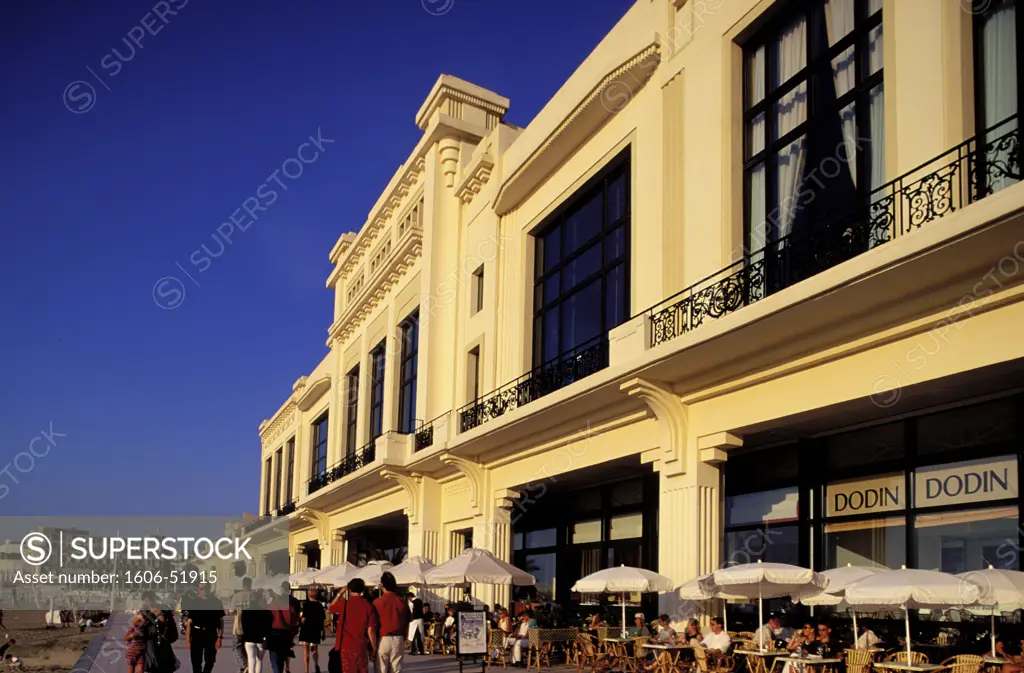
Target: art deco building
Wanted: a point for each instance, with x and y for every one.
(748, 286)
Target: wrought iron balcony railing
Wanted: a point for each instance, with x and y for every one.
(357, 459)
(424, 437)
(968, 172)
(286, 508)
(579, 363)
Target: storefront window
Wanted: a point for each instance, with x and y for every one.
(778, 544)
(547, 537)
(626, 526)
(968, 427)
(586, 531)
(542, 566)
(628, 493)
(959, 541)
(764, 507)
(874, 542)
(868, 446)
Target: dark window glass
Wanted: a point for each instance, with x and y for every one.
(756, 469)
(352, 411)
(266, 487)
(628, 493)
(968, 427)
(290, 474)
(775, 544)
(320, 445)
(547, 537)
(582, 283)
(812, 98)
(542, 566)
(377, 360)
(408, 369)
(867, 446)
(278, 466)
(998, 26)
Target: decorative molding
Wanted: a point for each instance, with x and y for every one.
(670, 412)
(313, 393)
(604, 101)
(714, 448)
(476, 175)
(320, 523)
(411, 484)
(505, 498)
(284, 418)
(448, 149)
(450, 94)
(474, 473)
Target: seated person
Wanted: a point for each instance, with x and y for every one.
(867, 638)
(666, 634)
(640, 624)
(718, 640)
(595, 622)
(823, 646)
(1014, 661)
(691, 635)
(522, 636)
(765, 636)
(800, 638)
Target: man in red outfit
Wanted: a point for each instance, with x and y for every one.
(358, 623)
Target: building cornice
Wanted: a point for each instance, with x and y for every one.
(605, 100)
(448, 90)
(475, 176)
(272, 428)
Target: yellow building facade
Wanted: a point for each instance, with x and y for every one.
(746, 287)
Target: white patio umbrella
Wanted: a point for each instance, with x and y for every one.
(303, 577)
(371, 572)
(911, 589)
(763, 580)
(336, 575)
(622, 580)
(1000, 590)
(702, 589)
(412, 571)
(477, 566)
(839, 579)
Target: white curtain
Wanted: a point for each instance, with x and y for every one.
(756, 236)
(999, 44)
(840, 21)
(877, 115)
(790, 111)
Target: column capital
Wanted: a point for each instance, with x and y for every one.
(410, 483)
(320, 522)
(713, 449)
(670, 411)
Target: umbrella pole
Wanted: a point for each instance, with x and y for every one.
(725, 616)
(906, 616)
(993, 630)
(855, 630)
(760, 619)
(623, 597)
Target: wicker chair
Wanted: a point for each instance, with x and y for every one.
(858, 661)
(901, 657)
(589, 655)
(496, 648)
(434, 642)
(963, 663)
(636, 661)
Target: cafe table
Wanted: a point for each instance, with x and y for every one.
(805, 663)
(756, 659)
(900, 666)
(666, 662)
(992, 664)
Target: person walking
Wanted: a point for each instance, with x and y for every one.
(163, 633)
(356, 636)
(239, 602)
(204, 632)
(416, 625)
(311, 629)
(284, 626)
(394, 617)
(256, 621)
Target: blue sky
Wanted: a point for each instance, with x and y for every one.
(128, 139)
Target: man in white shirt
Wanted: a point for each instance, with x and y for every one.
(718, 639)
(867, 638)
(768, 632)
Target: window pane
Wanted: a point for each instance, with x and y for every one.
(588, 500)
(875, 56)
(542, 566)
(789, 52)
(517, 541)
(865, 447)
(876, 542)
(843, 67)
(959, 541)
(627, 526)
(777, 544)
(755, 77)
(839, 15)
(552, 248)
(753, 470)
(551, 335)
(582, 267)
(968, 427)
(581, 319)
(584, 224)
(615, 245)
(616, 301)
(789, 171)
(767, 506)
(551, 289)
(547, 537)
(755, 135)
(616, 199)
(628, 493)
(586, 531)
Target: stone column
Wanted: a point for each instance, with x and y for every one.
(299, 560)
(335, 549)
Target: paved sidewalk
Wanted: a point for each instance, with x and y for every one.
(108, 657)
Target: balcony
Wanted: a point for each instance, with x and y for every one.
(286, 509)
(579, 363)
(965, 174)
(432, 433)
(358, 459)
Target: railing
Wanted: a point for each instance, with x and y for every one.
(260, 522)
(965, 174)
(286, 509)
(424, 437)
(359, 458)
(584, 360)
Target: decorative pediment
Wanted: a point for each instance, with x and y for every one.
(313, 392)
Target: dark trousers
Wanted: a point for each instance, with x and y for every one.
(204, 650)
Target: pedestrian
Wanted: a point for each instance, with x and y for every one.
(205, 630)
(239, 602)
(416, 625)
(356, 637)
(394, 617)
(163, 633)
(311, 629)
(284, 627)
(256, 622)
(82, 623)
